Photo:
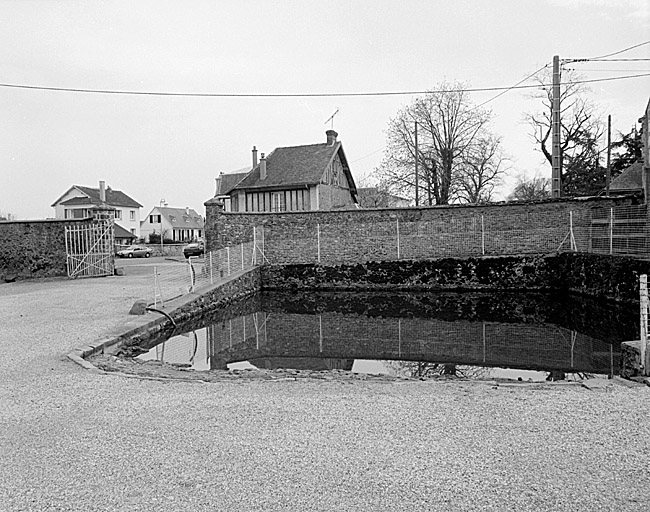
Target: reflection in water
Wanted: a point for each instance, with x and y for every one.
(415, 334)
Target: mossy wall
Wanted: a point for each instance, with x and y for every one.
(611, 278)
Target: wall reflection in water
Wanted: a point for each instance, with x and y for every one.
(435, 332)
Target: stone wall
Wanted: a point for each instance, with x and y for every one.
(34, 248)
(362, 235)
(613, 278)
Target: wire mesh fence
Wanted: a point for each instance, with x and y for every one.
(621, 230)
(172, 281)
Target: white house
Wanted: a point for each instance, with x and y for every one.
(178, 224)
(78, 203)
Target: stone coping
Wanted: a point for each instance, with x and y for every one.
(142, 324)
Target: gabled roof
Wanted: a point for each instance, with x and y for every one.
(228, 181)
(120, 232)
(631, 179)
(296, 166)
(113, 197)
(184, 218)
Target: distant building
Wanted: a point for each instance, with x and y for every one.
(178, 224)
(295, 178)
(78, 202)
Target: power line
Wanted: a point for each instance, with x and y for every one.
(510, 88)
(298, 95)
(606, 60)
(620, 51)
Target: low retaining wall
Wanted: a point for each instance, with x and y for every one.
(143, 328)
(612, 278)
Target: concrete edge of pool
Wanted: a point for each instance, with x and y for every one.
(232, 288)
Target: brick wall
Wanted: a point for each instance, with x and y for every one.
(36, 248)
(355, 236)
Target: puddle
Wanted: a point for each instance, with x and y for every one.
(532, 337)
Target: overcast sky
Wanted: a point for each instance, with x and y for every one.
(172, 148)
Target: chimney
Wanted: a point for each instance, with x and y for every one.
(102, 192)
(187, 211)
(254, 157)
(262, 167)
(219, 180)
(331, 137)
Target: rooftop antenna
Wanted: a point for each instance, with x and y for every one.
(331, 118)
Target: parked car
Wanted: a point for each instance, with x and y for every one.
(135, 251)
(194, 249)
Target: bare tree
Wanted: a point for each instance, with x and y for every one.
(533, 189)
(581, 129)
(453, 136)
(482, 171)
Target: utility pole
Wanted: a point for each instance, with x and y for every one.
(556, 155)
(609, 154)
(417, 196)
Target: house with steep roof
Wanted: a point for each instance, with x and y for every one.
(295, 178)
(177, 224)
(630, 181)
(79, 201)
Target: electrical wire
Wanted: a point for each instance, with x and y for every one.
(511, 88)
(299, 95)
(620, 51)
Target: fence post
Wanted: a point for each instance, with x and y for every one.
(228, 258)
(210, 260)
(611, 231)
(242, 256)
(643, 300)
(318, 240)
(397, 221)
(482, 236)
(254, 257)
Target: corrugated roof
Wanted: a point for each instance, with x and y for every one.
(295, 166)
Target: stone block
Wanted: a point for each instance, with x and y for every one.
(630, 362)
(139, 307)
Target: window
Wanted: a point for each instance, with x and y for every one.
(77, 213)
(278, 204)
(132, 214)
(133, 231)
(154, 219)
(118, 214)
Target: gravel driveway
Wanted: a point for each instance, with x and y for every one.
(73, 439)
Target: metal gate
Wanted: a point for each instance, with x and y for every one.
(89, 249)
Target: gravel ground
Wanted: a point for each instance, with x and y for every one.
(73, 439)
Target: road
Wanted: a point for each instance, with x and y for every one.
(140, 266)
